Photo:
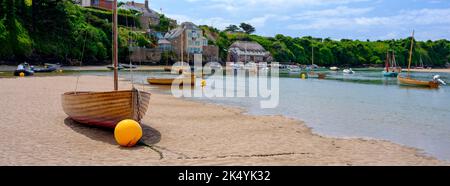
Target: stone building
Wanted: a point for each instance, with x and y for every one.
(103, 4)
(145, 55)
(188, 39)
(246, 51)
(149, 16)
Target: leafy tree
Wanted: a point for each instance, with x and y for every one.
(247, 28)
(232, 28)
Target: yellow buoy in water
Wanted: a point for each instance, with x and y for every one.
(303, 76)
(203, 83)
(127, 133)
(22, 74)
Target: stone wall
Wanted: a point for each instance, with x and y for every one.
(145, 55)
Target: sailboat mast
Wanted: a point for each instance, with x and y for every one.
(312, 56)
(387, 61)
(410, 53)
(115, 57)
(182, 46)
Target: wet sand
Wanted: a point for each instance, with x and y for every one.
(34, 130)
(442, 70)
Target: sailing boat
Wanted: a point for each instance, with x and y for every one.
(414, 82)
(392, 70)
(421, 64)
(180, 69)
(106, 109)
(312, 74)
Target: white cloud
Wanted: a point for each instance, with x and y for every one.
(403, 18)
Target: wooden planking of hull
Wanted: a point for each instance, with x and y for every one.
(105, 109)
(414, 82)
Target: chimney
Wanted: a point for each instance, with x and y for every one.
(146, 4)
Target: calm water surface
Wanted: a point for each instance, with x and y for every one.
(365, 104)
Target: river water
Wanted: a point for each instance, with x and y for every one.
(363, 105)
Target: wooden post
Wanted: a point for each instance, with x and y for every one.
(115, 57)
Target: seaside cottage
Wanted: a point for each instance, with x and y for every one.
(103, 4)
(188, 38)
(247, 51)
(149, 16)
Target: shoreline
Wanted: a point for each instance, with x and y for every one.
(187, 132)
(438, 70)
(8, 68)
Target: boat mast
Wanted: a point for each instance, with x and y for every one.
(387, 61)
(115, 57)
(182, 39)
(410, 52)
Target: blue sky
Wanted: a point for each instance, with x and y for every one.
(337, 19)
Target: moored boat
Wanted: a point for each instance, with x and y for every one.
(392, 69)
(334, 68)
(408, 80)
(414, 82)
(46, 69)
(106, 109)
(348, 71)
(25, 69)
(171, 81)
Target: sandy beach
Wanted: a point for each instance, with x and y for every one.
(34, 130)
(441, 70)
(87, 68)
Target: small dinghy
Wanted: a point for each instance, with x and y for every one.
(348, 71)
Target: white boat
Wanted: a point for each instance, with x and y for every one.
(294, 69)
(348, 71)
(334, 68)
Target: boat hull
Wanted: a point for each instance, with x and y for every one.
(105, 109)
(25, 72)
(390, 74)
(170, 81)
(419, 83)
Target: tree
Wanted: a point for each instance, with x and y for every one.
(247, 28)
(232, 28)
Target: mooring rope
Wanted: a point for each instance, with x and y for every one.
(161, 155)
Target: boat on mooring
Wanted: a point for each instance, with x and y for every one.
(392, 69)
(24, 68)
(47, 68)
(334, 68)
(348, 71)
(170, 81)
(409, 81)
(313, 66)
(106, 109)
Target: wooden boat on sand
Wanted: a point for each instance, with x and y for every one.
(106, 109)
